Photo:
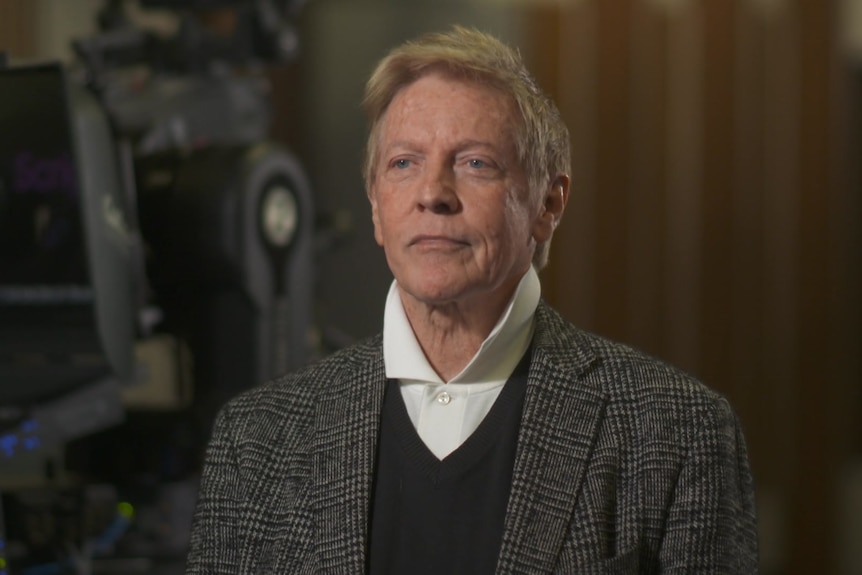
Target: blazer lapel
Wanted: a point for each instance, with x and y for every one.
(562, 412)
(348, 420)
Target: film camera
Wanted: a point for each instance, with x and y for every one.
(155, 245)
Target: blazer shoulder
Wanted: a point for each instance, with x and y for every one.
(630, 377)
(287, 403)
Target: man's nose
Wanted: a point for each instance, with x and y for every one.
(438, 193)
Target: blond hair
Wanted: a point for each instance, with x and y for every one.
(469, 55)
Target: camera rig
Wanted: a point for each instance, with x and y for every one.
(162, 226)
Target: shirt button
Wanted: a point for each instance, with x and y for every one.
(444, 398)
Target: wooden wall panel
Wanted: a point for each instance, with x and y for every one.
(644, 307)
(613, 157)
(685, 71)
(18, 28)
(716, 256)
(814, 489)
(745, 371)
(777, 452)
(709, 225)
(569, 282)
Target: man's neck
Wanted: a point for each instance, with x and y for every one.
(451, 334)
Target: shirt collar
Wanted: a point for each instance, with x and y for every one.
(497, 356)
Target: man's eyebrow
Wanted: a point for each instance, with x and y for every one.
(399, 146)
(470, 144)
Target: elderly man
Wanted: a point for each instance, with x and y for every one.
(481, 432)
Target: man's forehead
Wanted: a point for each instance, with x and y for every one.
(423, 84)
(434, 98)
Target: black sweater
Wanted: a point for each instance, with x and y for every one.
(443, 517)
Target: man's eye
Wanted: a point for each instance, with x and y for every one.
(402, 163)
(474, 163)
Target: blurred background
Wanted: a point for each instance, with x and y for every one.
(715, 219)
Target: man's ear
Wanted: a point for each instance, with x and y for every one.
(553, 205)
(375, 217)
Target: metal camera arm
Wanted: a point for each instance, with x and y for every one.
(232, 32)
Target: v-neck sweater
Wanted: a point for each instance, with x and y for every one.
(432, 516)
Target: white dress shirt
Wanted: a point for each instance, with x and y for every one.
(446, 414)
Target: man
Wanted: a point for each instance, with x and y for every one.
(481, 433)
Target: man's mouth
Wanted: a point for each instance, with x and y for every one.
(437, 241)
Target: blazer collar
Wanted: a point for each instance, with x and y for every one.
(561, 416)
(347, 423)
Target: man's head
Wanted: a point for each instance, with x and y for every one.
(541, 137)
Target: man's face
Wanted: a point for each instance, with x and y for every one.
(450, 200)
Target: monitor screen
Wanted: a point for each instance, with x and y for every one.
(41, 237)
(65, 316)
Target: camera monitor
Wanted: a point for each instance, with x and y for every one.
(66, 286)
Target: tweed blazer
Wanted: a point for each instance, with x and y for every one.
(623, 465)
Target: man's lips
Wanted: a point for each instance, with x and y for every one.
(432, 241)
